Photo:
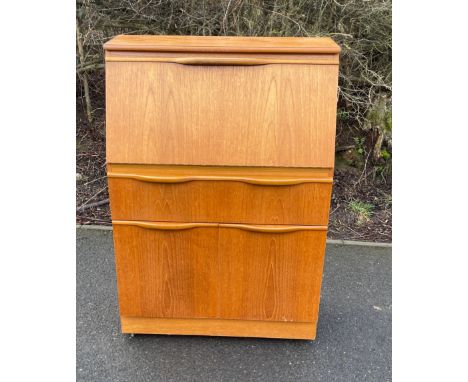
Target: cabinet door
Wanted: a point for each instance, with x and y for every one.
(270, 272)
(166, 269)
(265, 115)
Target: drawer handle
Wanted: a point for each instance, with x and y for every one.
(220, 61)
(227, 61)
(166, 226)
(184, 179)
(273, 229)
(163, 225)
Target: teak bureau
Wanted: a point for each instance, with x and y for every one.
(220, 155)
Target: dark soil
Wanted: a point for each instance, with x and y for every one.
(351, 185)
(345, 223)
(91, 182)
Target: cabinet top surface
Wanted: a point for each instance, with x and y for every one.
(227, 44)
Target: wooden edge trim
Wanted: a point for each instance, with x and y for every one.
(273, 228)
(202, 44)
(219, 327)
(237, 61)
(111, 46)
(184, 179)
(163, 225)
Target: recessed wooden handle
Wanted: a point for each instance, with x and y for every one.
(236, 61)
(166, 226)
(273, 228)
(232, 61)
(163, 225)
(219, 61)
(249, 180)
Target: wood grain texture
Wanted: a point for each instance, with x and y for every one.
(167, 273)
(303, 196)
(217, 327)
(229, 271)
(270, 276)
(271, 115)
(222, 44)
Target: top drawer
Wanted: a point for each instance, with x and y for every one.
(227, 109)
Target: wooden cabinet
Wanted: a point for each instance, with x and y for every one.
(220, 156)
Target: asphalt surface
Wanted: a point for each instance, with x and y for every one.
(353, 336)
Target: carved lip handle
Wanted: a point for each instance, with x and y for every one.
(220, 61)
(273, 228)
(166, 226)
(249, 180)
(163, 225)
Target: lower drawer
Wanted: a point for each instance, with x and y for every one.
(220, 194)
(227, 271)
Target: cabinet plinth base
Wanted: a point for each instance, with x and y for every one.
(219, 327)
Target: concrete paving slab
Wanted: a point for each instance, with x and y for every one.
(353, 337)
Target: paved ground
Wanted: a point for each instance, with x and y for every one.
(353, 338)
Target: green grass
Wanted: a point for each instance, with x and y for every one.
(362, 210)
